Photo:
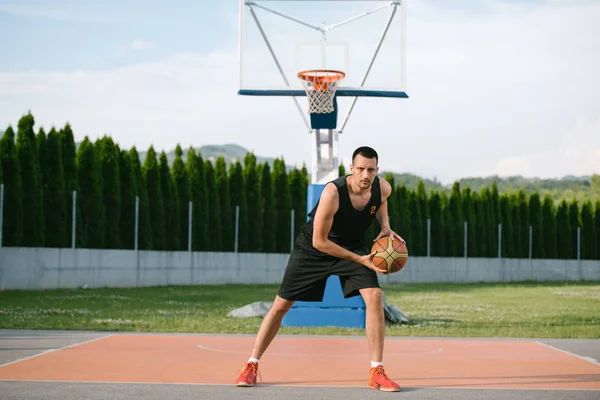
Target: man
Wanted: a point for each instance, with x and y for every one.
(332, 243)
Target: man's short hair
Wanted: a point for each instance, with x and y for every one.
(367, 152)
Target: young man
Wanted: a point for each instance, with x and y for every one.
(332, 243)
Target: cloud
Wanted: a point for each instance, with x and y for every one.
(506, 90)
(138, 45)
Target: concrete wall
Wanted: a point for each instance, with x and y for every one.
(43, 268)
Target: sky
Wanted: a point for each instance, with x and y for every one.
(496, 87)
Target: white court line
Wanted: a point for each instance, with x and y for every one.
(53, 350)
(584, 358)
(270, 385)
(437, 351)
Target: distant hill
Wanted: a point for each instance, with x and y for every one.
(230, 152)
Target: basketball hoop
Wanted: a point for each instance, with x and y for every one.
(320, 86)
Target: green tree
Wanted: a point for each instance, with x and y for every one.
(469, 211)
(151, 172)
(182, 188)
(341, 170)
(141, 193)
(199, 193)
(457, 218)
(524, 229)
(575, 223)
(239, 202)
(170, 204)
(128, 194)
(597, 225)
(563, 231)
(438, 225)
(13, 195)
(536, 221)
(33, 200)
(69, 163)
(589, 238)
(417, 232)
(55, 209)
(214, 211)
(508, 245)
(298, 200)
(268, 210)
(108, 157)
(227, 222)
(481, 245)
(253, 203)
(518, 248)
(282, 205)
(91, 222)
(549, 228)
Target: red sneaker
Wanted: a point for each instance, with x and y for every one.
(247, 375)
(379, 380)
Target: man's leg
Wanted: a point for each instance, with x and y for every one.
(267, 331)
(270, 325)
(375, 322)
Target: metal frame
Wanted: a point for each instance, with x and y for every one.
(324, 169)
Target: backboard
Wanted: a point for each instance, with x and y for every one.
(366, 39)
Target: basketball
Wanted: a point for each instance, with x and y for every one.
(391, 255)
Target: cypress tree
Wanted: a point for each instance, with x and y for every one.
(563, 232)
(12, 234)
(549, 228)
(508, 245)
(525, 224)
(589, 236)
(238, 199)
(227, 222)
(33, 200)
(481, 225)
(418, 238)
(575, 223)
(151, 172)
(516, 228)
(55, 209)
(282, 205)
(536, 221)
(90, 223)
(469, 211)
(170, 204)
(597, 226)
(43, 162)
(182, 189)
(128, 193)
(341, 170)
(402, 223)
(69, 163)
(297, 200)
(214, 211)
(457, 219)
(108, 157)
(253, 201)
(268, 210)
(141, 192)
(438, 225)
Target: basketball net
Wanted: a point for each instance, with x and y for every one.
(320, 87)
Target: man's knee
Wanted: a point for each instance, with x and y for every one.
(281, 306)
(373, 297)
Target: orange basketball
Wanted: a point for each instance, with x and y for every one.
(391, 255)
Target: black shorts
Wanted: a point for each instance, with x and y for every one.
(306, 275)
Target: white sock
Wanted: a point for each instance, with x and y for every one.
(376, 364)
(252, 359)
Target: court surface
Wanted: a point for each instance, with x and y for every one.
(110, 365)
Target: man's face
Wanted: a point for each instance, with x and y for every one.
(364, 170)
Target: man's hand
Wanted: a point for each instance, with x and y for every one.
(367, 261)
(389, 232)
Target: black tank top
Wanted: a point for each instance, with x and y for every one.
(349, 224)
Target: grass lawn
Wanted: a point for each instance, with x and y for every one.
(533, 309)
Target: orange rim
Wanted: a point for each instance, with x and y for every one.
(321, 81)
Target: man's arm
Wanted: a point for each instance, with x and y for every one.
(328, 206)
